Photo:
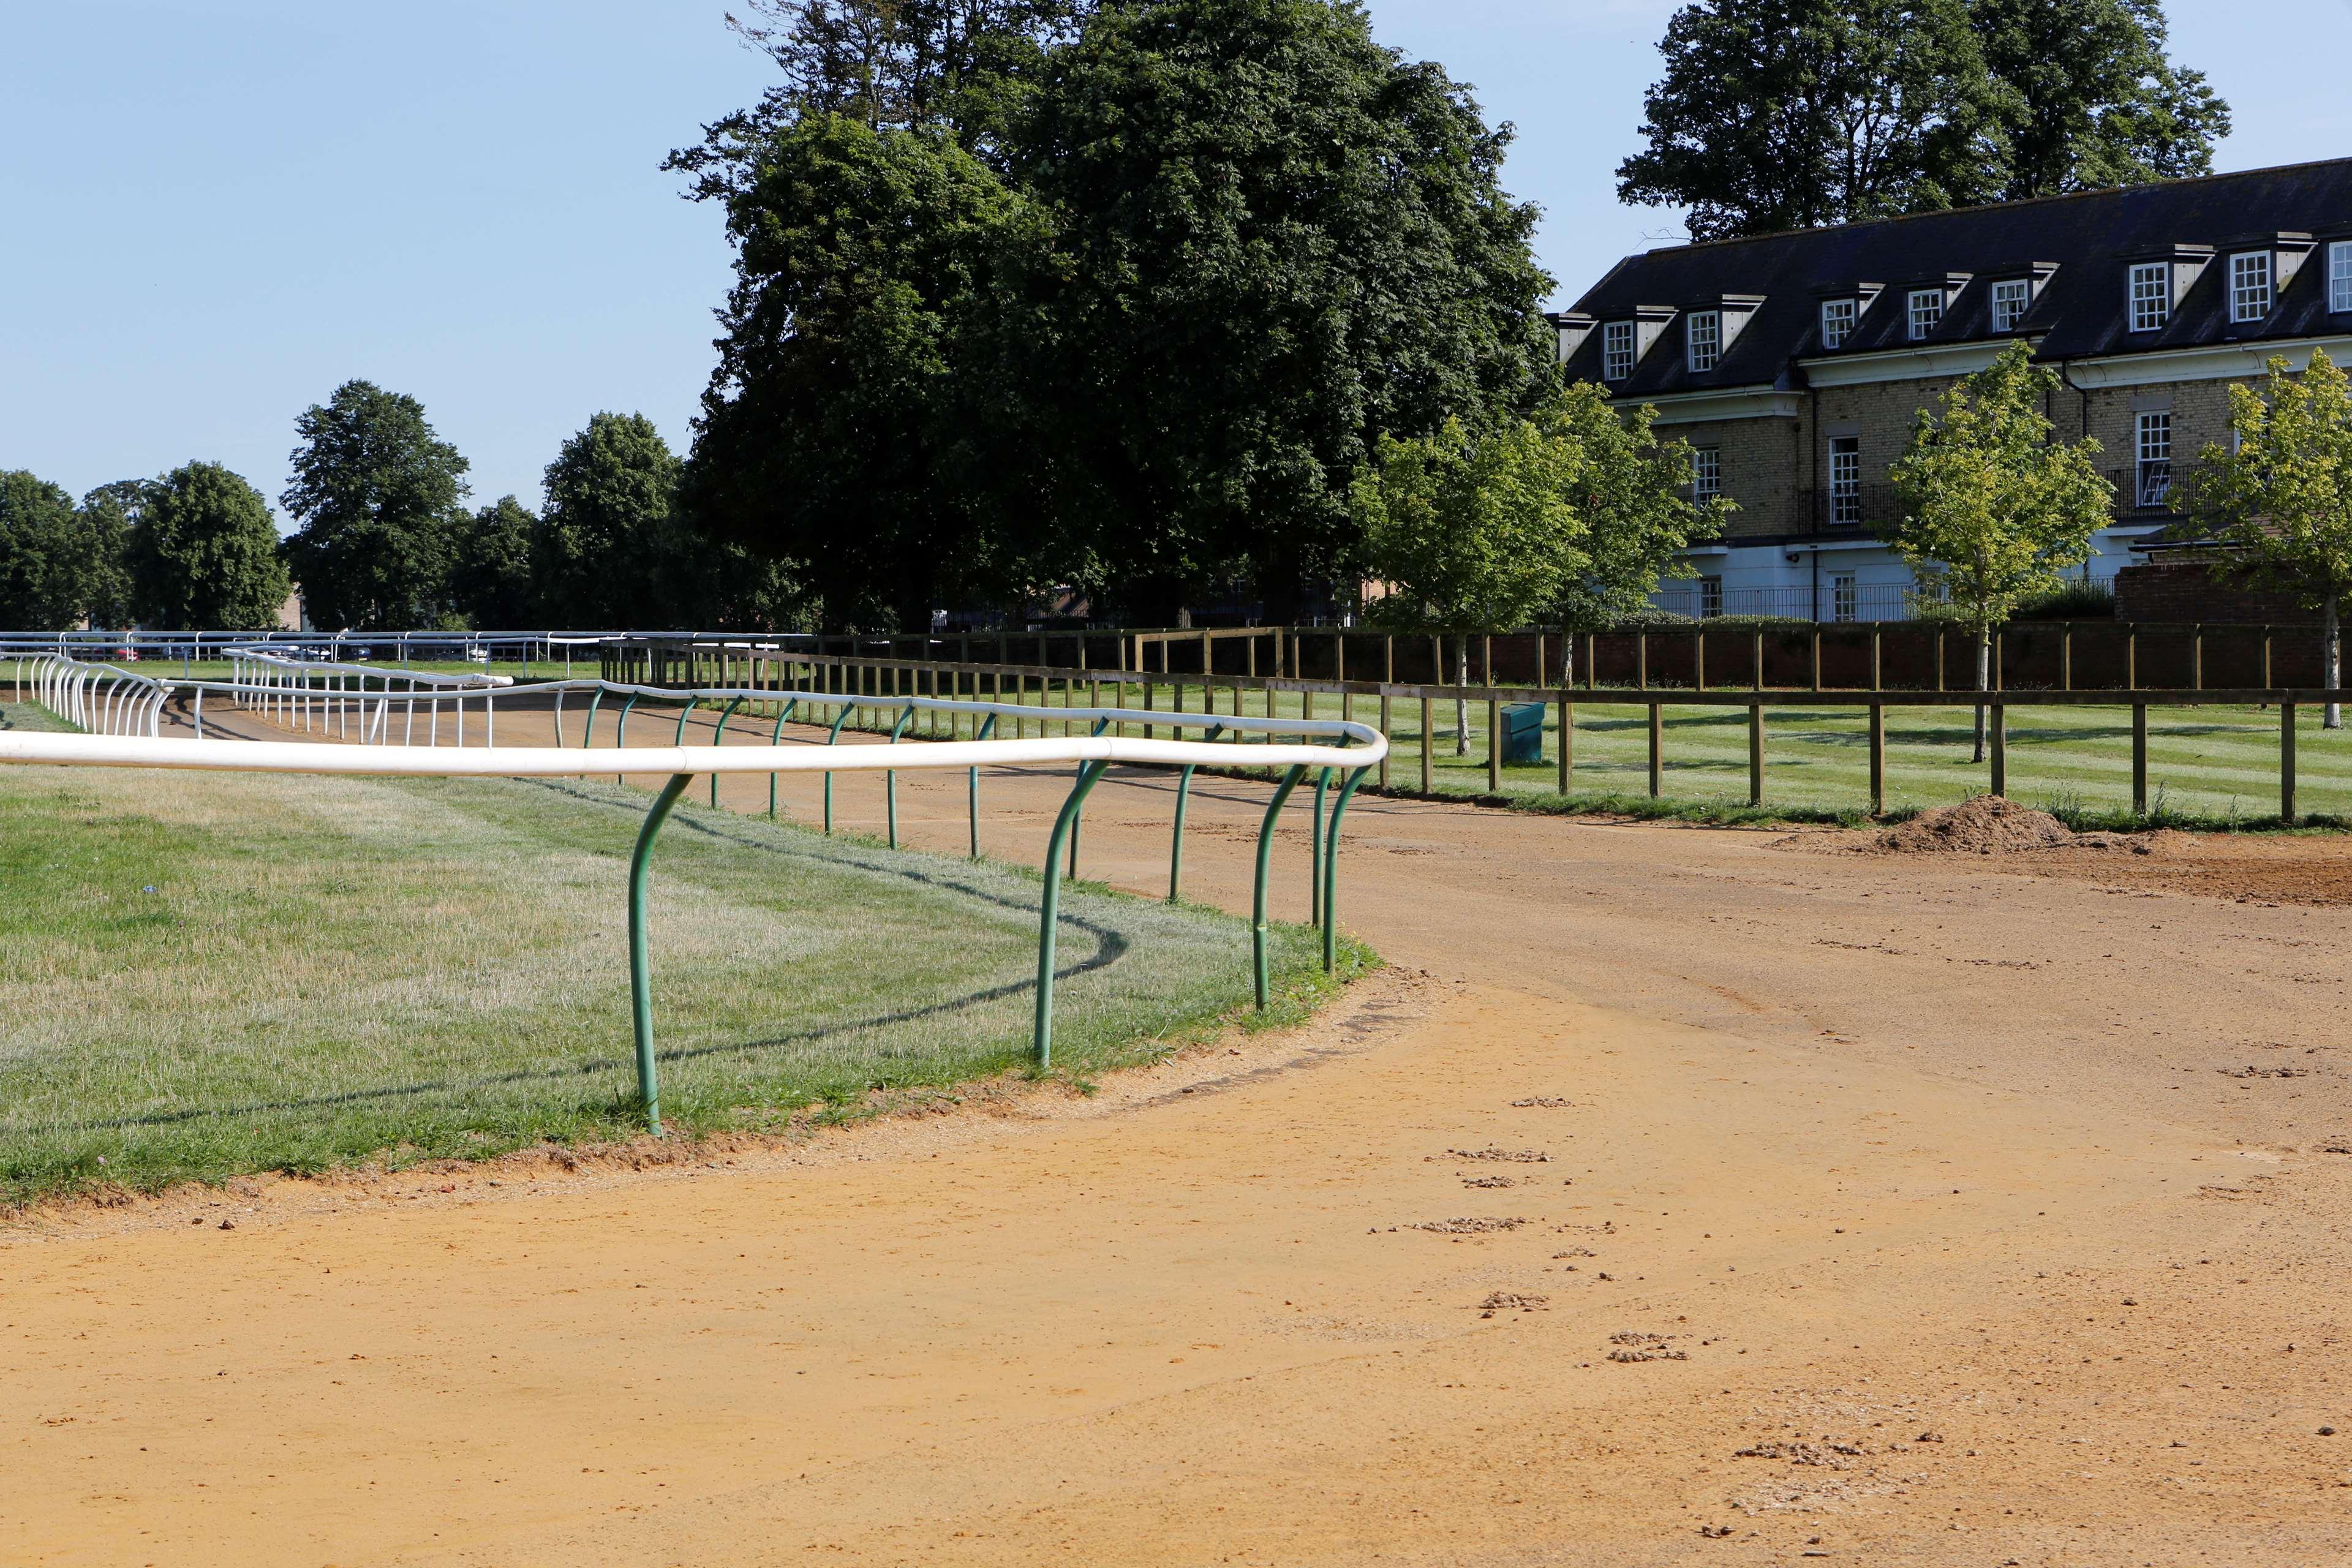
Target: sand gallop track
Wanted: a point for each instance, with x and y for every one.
(1677, 1199)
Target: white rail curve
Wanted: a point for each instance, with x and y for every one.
(125, 710)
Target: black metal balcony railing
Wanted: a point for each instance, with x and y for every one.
(1848, 508)
(2144, 487)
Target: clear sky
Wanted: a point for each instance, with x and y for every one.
(213, 212)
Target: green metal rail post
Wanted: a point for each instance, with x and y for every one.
(1184, 793)
(588, 733)
(890, 777)
(1079, 821)
(719, 738)
(1264, 857)
(777, 740)
(1049, 910)
(987, 729)
(1331, 870)
(641, 986)
(1314, 848)
(833, 737)
(621, 732)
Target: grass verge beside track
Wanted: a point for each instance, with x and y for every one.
(219, 973)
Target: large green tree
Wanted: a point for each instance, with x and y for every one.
(609, 552)
(840, 428)
(1131, 323)
(1780, 114)
(1994, 510)
(203, 552)
(379, 498)
(490, 572)
(2281, 503)
(2089, 98)
(60, 565)
(1275, 239)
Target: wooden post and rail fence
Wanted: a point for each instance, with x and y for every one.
(1211, 692)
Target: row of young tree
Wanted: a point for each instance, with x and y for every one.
(384, 539)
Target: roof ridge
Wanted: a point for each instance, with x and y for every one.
(1987, 206)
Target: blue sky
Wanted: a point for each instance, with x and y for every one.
(218, 210)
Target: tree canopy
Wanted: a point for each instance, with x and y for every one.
(379, 496)
(2280, 504)
(1132, 326)
(1779, 115)
(203, 552)
(490, 575)
(1996, 511)
(606, 552)
(59, 563)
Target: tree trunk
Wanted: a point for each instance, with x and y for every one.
(2331, 661)
(1984, 683)
(1461, 704)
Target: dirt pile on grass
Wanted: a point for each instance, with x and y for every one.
(1982, 825)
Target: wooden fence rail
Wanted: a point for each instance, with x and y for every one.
(787, 672)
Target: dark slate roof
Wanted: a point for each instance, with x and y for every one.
(2090, 238)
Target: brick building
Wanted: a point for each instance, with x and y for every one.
(1795, 365)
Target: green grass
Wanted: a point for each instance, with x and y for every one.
(2214, 767)
(217, 974)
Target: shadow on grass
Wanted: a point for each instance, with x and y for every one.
(1110, 947)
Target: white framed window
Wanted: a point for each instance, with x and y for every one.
(2152, 446)
(1837, 321)
(1710, 597)
(2339, 276)
(2010, 299)
(1926, 309)
(2151, 295)
(1845, 602)
(2249, 286)
(1703, 339)
(1616, 350)
(1845, 479)
(1706, 473)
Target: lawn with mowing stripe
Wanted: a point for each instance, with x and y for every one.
(2211, 767)
(212, 973)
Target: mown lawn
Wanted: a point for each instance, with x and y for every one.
(2214, 766)
(213, 974)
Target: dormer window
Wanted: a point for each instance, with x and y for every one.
(2249, 286)
(2010, 299)
(2339, 277)
(1616, 350)
(1926, 312)
(1703, 339)
(1838, 317)
(2150, 296)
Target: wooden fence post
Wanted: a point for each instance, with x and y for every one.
(1657, 751)
(1566, 742)
(1494, 745)
(2131, 658)
(1427, 745)
(2066, 658)
(1759, 659)
(1878, 759)
(2287, 764)
(1817, 657)
(1641, 658)
(2139, 759)
(1877, 659)
(2197, 657)
(1698, 659)
(1756, 753)
(1999, 718)
(1387, 728)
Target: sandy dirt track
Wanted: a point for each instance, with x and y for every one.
(1873, 1210)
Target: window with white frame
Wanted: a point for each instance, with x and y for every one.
(1703, 337)
(2152, 440)
(1845, 479)
(2151, 296)
(1706, 473)
(1616, 350)
(1845, 600)
(2249, 286)
(2339, 276)
(1710, 597)
(1926, 309)
(1837, 321)
(2009, 302)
